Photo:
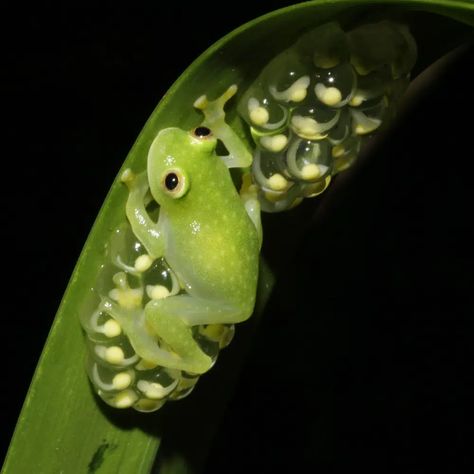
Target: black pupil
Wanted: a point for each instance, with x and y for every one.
(171, 181)
(202, 132)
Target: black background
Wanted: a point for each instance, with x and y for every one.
(371, 322)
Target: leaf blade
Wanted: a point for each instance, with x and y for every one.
(74, 398)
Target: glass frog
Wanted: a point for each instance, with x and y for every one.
(205, 234)
(183, 268)
(201, 254)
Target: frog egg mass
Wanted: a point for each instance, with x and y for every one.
(308, 113)
(122, 378)
(335, 90)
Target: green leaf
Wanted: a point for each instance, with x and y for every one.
(63, 427)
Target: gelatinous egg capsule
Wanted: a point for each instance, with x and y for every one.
(145, 405)
(279, 201)
(275, 142)
(100, 327)
(367, 119)
(155, 384)
(185, 386)
(159, 281)
(115, 354)
(269, 172)
(309, 190)
(342, 130)
(335, 87)
(123, 399)
(325, 46)
(109, 380)
(344, 154)
(208, 346)
(308, 160)
(262, 112)
(125, 251)
(396, 48)
(287, 78)
(313, 121)
(222, 334)
(370, 88)
(296, 92)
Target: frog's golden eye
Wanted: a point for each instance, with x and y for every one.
(174, 183)
(202, 132)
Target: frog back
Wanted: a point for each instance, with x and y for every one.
(211, 243)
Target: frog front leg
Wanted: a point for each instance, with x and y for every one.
(148, 232)
(214, 118)
(172, 320)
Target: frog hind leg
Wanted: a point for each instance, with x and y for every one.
(214, 118)
(172, 319)
(132, 323)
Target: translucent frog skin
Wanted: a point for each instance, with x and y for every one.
(205, 235)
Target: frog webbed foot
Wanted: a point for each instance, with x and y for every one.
(214, 118)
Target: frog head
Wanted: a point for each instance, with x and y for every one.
(181, 161)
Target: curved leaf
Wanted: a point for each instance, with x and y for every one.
(50, 435)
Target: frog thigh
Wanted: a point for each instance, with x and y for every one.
(172, 318)
(133, 325)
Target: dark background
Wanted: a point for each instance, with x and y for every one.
(364, 355)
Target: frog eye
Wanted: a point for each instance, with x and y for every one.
(202, 132)
(174, 183)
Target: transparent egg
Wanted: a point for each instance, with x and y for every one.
(185, 386)
(275, 142)
(209, 346)
(115, 354)
(325, 46)
(123, 248)
(342, 130)
(262, 112)
(109, 379)
(313, 121)
(222, 334)
(270, 173)
(309, 161)
(101, 327)
(370, 88)
(159, 280)
(124, 399)
(145, 405)
(276, 202)
(309, 190)
(344, 154)
(334, 87)
(368, 118)
(155, 384)
(385, 43)
(286, 77)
